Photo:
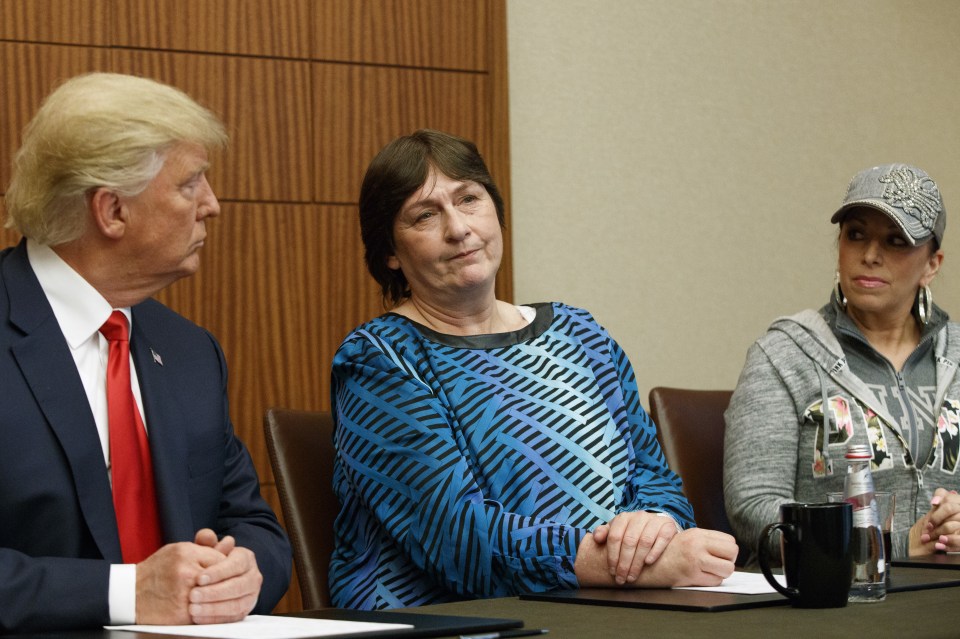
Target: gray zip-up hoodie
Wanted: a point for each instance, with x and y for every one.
(774, 450)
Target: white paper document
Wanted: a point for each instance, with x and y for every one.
(268, 627)
(743, 583)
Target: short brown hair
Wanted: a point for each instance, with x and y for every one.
(396, 173)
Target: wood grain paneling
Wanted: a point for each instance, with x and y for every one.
(497, 155)
(251, 27)
(30, 72)
(7, 237)
(266, 106)
(280, 286)
(360, 109)
(436, 34)
(58, 21)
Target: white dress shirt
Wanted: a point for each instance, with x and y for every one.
(81, 311)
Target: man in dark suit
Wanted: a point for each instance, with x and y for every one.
(110, 194)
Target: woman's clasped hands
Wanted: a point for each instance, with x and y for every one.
(645, 549)
(633, 540)
(939, 529)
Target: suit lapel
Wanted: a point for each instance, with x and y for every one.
(165, 422)
(49, 370)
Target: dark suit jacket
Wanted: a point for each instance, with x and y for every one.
(58, 533)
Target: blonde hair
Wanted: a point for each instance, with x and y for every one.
(98, 130)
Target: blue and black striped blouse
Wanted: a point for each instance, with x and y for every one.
(473, 466)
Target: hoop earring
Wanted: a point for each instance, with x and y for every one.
(838, 293)
(925, 305)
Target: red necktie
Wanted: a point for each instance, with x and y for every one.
(134, 496)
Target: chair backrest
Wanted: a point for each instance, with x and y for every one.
(690, 431)
(300, 444)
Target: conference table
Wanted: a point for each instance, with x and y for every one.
(922, 613)
(928, 613)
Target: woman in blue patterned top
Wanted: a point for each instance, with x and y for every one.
(486, 449)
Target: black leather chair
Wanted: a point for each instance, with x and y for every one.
(300, 445)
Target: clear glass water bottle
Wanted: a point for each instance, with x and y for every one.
(869, 580)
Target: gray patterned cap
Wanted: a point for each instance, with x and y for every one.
(907, 194)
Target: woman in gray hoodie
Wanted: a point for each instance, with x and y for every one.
(880, 355)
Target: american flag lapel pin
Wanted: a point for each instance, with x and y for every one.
(156, 357)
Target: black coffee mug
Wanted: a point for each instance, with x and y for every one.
(816, 553)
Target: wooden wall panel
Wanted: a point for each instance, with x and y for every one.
(7, 237)
(361, 108)
(56, 21)
(252, 27)
(266, 106)
(30, 72)
(437, 34)
(497, 155)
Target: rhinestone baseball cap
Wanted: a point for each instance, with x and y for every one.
(905, 193)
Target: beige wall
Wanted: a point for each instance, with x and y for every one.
(675, 164)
